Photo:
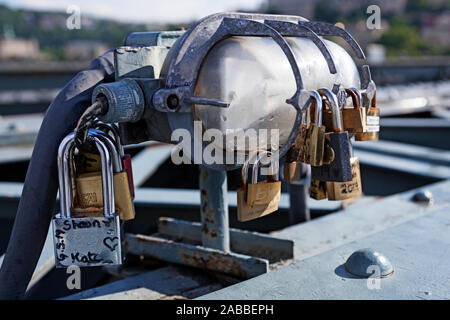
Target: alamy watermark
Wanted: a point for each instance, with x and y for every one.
(73, 22)
(213, 146)
(374, 281)
(374, 20)
(74, 279)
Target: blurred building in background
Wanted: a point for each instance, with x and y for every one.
(19, 49)
(84, 49)
(436, 28)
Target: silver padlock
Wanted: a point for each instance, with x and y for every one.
(86, 241)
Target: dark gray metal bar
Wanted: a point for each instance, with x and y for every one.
(241, 241)
(238, 265)
(214, 209)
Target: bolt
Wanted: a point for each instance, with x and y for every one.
(424, 196)
(172, 101)
(360, 262)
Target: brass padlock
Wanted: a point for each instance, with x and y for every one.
(298, 153)
(348, 189)
(314, 146)
(354, 118)
(246, 212)
(318, 189)
(339, 168)
(291, 171)
(372, 123)
(89, 186)
(294, 152)
(263, 192)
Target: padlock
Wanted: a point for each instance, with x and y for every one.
(294, 152)
(339, 169)
(263, 192)
(348, 189)
(354, 119)
(89, 185)
(297, 153)
(372, 123)
(318, 189)
(92, 240)
(314, 146)
(126, 158)
(291, 171)
(245, 212)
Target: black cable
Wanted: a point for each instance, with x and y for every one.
(37, 203)
(86, 122)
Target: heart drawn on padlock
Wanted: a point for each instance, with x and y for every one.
(110, 243)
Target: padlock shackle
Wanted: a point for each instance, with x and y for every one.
(373, 103)
(244, 170)
(65, 190)
(256, 165)
(111, 127)
(108, 140)
(356, 97)
(360, 97)
(336, 111)
(318, 113)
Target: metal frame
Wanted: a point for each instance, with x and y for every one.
(235, 252)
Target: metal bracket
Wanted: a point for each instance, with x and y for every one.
(295, 30)
(328, 29)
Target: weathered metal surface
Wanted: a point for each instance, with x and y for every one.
(406, 151)
(417, 248)
(328, 29)
(162, 284)
(238, 265)
(358, 221)
(423, 131)
(215, 231)
(16, 130)
(298, 30)
(400, 164)
(158, 38)
(241, 241)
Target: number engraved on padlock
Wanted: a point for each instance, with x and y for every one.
(348, 189)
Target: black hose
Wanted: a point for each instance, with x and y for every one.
(37, 203)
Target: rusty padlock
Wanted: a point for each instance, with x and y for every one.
(347, 189)
(318, 189)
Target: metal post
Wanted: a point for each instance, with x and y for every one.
(214, 209)
(298, 198)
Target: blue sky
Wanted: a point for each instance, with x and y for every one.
(147, 11)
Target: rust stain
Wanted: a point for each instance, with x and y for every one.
(215, 261)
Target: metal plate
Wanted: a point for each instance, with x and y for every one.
(87, 242)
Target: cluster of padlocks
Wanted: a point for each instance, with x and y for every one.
(324, 143)
(96, 192)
